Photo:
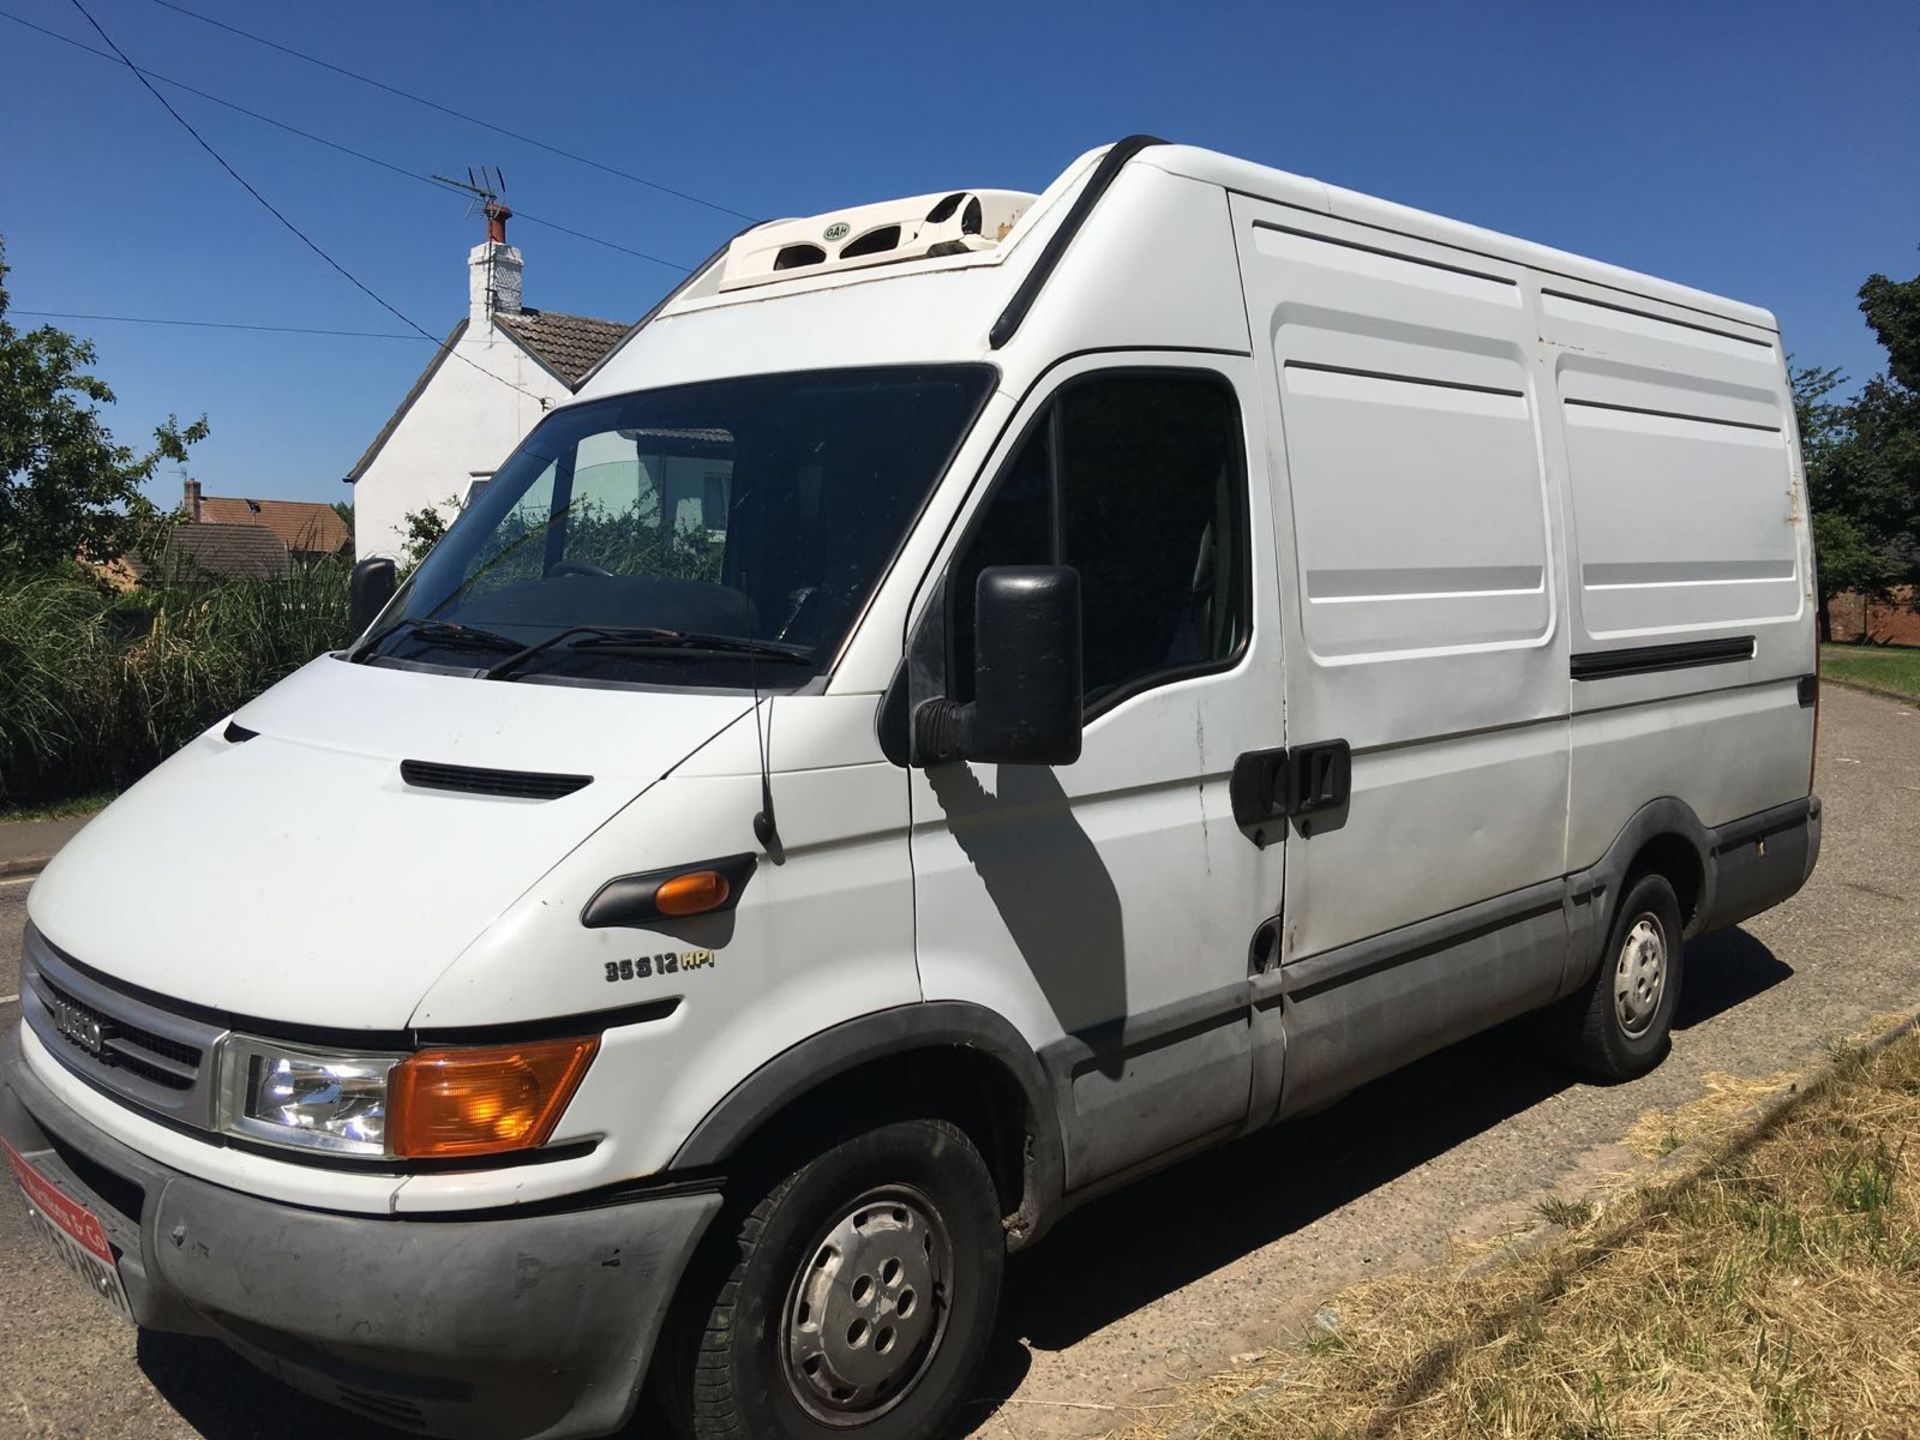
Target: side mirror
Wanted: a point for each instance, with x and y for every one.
(368, 592)
(1026, 675)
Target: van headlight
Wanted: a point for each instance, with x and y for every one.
(443, 1103)
(291, 1095)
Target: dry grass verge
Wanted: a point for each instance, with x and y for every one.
(1766, 1286)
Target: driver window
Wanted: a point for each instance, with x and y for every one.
(1136, 480)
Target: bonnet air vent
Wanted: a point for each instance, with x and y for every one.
(471, 780)
(237, 734)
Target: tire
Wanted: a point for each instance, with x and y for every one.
(854, 1298)
(1621, 1026)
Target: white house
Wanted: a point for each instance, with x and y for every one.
(458, 422)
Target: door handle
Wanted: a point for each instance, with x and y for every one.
(1259, 787)
(1320, 777)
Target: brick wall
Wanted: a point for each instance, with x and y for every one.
(1896, 624)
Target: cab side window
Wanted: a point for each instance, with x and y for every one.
(1135, 479)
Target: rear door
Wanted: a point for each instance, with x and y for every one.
(1106, 906)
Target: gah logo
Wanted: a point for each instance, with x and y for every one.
(836, 231)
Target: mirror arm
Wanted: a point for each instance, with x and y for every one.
(942, 732)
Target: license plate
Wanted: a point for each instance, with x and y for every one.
(75, 1233)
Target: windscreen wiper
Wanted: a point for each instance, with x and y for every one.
(654, 640)
(450, 633)
(527, 652)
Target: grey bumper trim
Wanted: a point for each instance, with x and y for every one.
(505, 1327)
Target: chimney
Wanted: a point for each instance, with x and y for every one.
(494, 270)
(192, 501)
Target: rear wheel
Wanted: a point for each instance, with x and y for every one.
(1620, 1027)
(854, 1299)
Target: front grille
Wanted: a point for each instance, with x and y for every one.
(471, 780)
(137, 1050)
(111, 1041)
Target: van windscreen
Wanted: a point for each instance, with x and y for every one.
(716, 534)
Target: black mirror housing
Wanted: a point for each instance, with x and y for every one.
(1026, 706)
(368, 592)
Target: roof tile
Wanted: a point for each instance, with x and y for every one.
(302, 525)
(234, 552)
(568, 345)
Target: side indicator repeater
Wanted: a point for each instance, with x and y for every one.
(694, 893)
(679, 892)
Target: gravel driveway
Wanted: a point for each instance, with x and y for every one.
(1227, 1253)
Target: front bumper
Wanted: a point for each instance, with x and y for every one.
(504, 1327)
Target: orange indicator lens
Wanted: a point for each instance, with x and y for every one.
(694, 893)
(483, 1100)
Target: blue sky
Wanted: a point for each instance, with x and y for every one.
(1763, 150)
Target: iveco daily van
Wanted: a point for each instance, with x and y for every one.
(977, 698)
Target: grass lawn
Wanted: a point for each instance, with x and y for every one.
(59, 809)
(1769, 1289)
(1883, 667)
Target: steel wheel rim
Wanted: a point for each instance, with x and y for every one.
(1640, 975)
(867, 1309)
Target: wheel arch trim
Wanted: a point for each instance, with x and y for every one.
(1592, 891)
(932, 1025)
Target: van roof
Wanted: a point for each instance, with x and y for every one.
(1279, 186)
(754, 266)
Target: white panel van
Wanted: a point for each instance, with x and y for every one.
(978, 697)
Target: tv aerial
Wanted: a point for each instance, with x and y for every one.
(486, 192)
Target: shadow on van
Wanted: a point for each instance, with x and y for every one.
(1027, 847)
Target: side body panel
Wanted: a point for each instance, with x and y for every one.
(1689, 530)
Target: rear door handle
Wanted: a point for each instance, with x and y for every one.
(1320, 777)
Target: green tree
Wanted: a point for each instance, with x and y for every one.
(1886, 419)
(1883, 457)
(66, 487)
(425, 527)
(1863, 459)
(1848, 561)
(1892, 308)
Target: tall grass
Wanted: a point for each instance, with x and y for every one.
(1763, 1288)
(96, 688)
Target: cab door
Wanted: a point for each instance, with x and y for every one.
(1106, 907)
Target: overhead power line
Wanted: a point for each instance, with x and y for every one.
(216, 325)
(456, 114)
(348, 150)
(292, 228)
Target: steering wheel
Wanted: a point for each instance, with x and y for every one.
(581, 567)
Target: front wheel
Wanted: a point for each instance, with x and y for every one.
(1619, 1028)
(854, 1299)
